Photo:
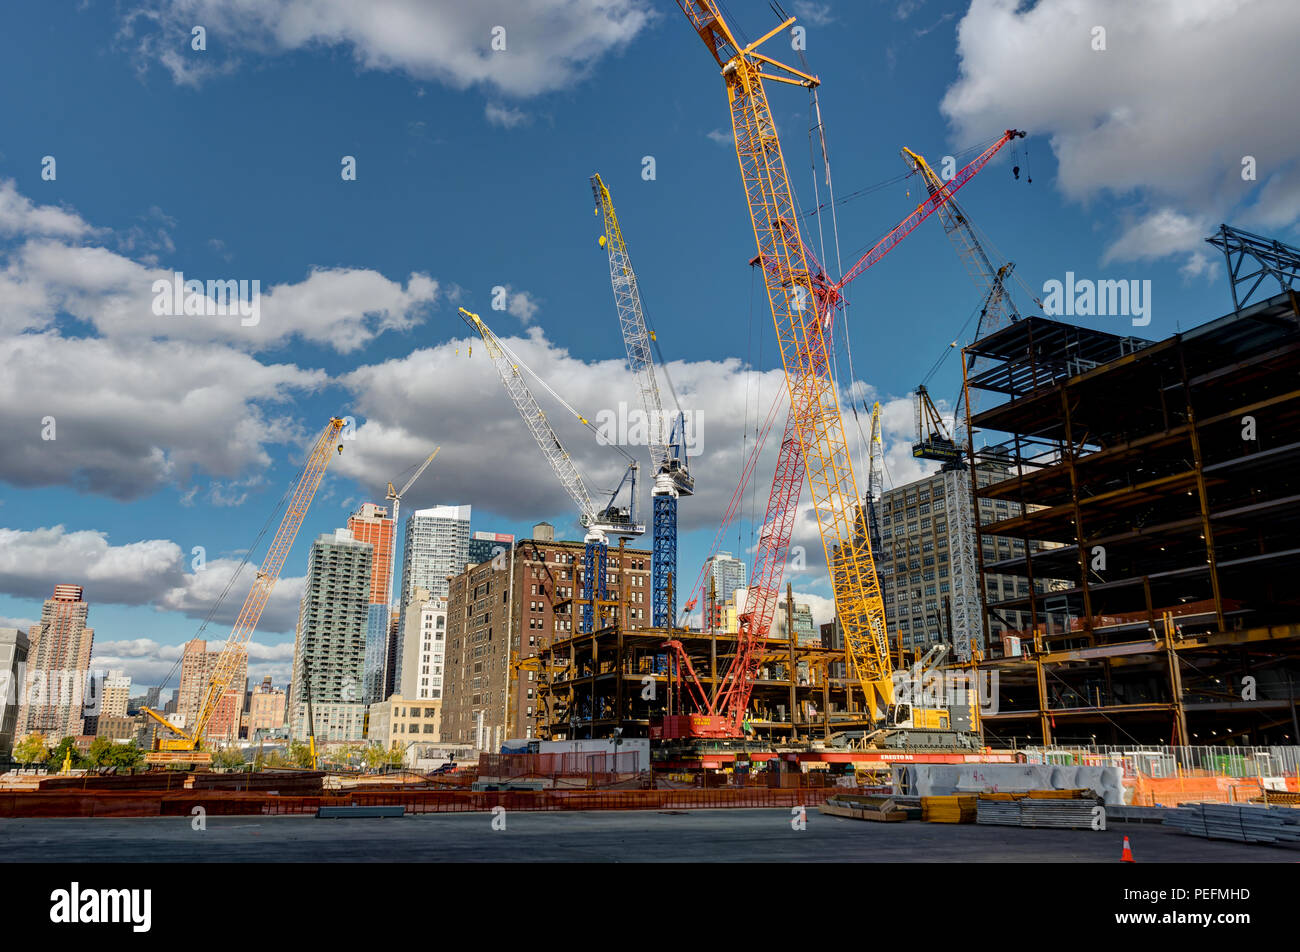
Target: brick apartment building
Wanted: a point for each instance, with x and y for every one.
(494, 612)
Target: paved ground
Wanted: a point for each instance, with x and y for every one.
(625, 836)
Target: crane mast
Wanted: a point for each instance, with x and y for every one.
(804, 350)
(599, 524)
(189, 741)
(668, 463)
(794, 290)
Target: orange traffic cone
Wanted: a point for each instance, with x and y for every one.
(1127, 855)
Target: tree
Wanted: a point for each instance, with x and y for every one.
(31, 749)
(397, 755)
(100, 751)
(228, 757)
(55, 760)
(300, 754)
(126, 756)
(374, 755)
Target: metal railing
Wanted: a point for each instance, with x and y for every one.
(1164, 761)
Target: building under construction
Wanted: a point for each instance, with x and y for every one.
(615, 678)
(1166, 474)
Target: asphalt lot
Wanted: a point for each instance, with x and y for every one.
(694, 836)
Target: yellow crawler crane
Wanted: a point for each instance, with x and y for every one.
(187, 744)
(805, 349)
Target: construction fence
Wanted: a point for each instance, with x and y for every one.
(601, 764)
(76, 803)
(1167, 776)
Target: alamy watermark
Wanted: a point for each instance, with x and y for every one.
(950, 689)
(176, 297)
(632, 426)
(1084, 297)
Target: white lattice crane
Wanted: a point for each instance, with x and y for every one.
(598, 523)
(666, 440)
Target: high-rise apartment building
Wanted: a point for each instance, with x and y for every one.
(371, 524)
(727, 574)
(919, 565)
(58, 667)
(117, 695)
(13, 661)
(330, 647)
(484, 546)
(435, 547)
(424, 640)
(492, 613)
(197, 667)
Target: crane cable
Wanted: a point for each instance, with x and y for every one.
(814, 106)
(248, 554)
(515, 359)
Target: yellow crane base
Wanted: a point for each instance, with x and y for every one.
(165, 757)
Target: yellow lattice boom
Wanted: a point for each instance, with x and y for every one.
(804, 349)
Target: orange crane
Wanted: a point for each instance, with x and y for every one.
(187, 744)
(794, 291)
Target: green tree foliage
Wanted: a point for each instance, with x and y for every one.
(126, 756)
(300, 754)
(55, 760)
(32, 749)
(228, 757)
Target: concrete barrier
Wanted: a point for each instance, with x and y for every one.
(937, 780)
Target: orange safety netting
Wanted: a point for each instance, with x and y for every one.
(1199, 788)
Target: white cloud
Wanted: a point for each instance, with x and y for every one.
(341, 308)
(147, 662)
(20, 216)
(1149, 119)
(22, 624)
(523, 306)
(1157, 234)
(442, 396)
(133, 408)
(720, 137)
(130, 418)
(818, 14)
(32, 562)
(505, 116)
(152, 572)
(550, 44)
(823, 608)
(194, 594)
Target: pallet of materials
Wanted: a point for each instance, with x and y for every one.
(1039, 808)
(955, 808)
(879, 809)
(1235, 821)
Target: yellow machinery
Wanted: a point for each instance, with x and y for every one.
(518, 664)
(186, 746)
(805, 348)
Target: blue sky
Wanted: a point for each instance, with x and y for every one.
(472, 172)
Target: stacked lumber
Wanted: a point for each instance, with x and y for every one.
(879, 809)
(956, 808)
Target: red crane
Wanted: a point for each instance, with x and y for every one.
(723, 713)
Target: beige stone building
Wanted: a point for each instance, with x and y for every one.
(399, 722)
